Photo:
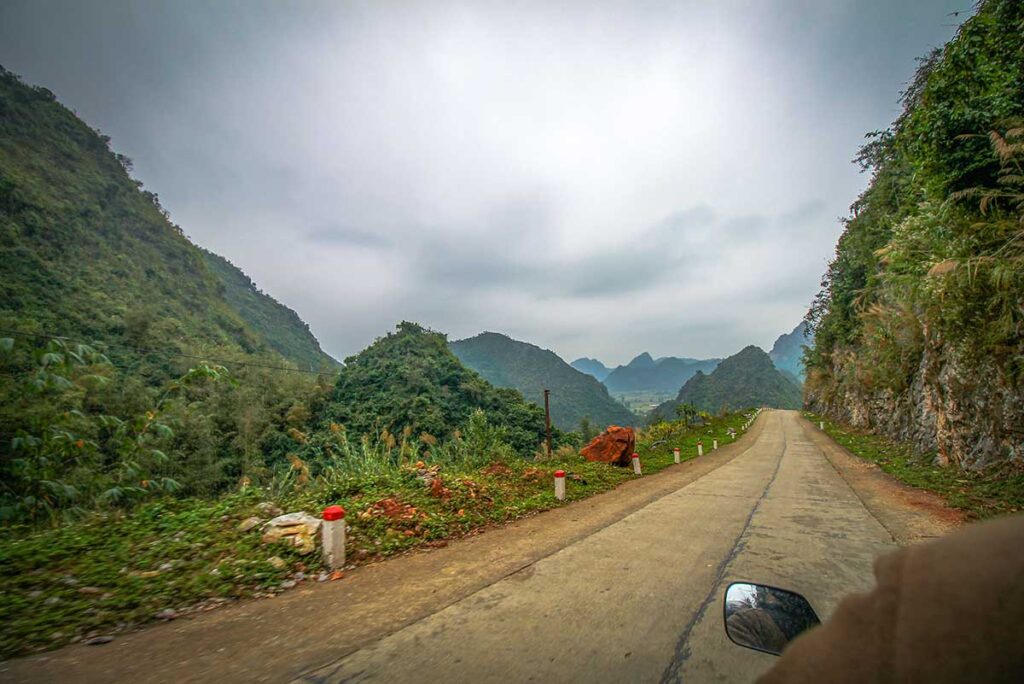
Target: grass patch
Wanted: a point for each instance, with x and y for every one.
(109, 573)
(981, 494)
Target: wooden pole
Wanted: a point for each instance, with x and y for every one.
(547, 418)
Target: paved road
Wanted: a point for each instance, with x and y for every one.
(622, 586)
(640, 599)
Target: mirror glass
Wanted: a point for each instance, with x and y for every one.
(766, 618)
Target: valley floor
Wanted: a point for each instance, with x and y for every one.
(623, 586)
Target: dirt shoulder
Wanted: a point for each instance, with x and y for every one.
(279, 639)
(909, 514)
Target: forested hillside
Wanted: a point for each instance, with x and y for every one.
(665, 375)
(575, 396)
(743, 380)
(410, 382)
(920, 321)
(280, 326)
(124, 369)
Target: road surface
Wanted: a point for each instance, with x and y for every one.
(624, 587)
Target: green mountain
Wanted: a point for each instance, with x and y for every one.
(591, 367)
(410, 379)
(788, 351)
(745, 379)
(279, 325)
(89, 254)
(505, 362)
(666, 375)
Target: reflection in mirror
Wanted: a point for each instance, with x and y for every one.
(766, 618)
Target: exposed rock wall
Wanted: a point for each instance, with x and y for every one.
(968, 413)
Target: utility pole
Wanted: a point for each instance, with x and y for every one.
(547, 418)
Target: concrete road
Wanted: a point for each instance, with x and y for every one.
(640, 600)
(622, 586)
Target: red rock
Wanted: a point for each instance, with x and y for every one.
(615, 445)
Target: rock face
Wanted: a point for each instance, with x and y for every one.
(965, 411)
(298, 529)
(615, 445)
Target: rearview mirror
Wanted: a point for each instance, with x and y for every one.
(766, 618)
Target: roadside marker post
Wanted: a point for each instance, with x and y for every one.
(821, 425)
(714, 444)
(636, 464)
(333, 533)
(700, 448)
(560, 485)
(675, 454)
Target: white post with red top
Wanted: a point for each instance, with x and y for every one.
(714, 444)
(675, 454)
(700, 448)
(333, 534)
(560, 485)
(636, 464)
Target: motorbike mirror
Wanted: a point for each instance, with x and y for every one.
(765, 618)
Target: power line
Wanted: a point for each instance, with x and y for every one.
(160, 352)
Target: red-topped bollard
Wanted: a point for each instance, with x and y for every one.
(560, 485)
(714, 444)
(700, 448)
(636, 464)
(333, 534)
(675, 454)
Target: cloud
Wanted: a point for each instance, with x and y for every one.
(597, 178)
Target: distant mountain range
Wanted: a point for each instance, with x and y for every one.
(665, 375)
(505, 362)
(788, 352)
(746, 379)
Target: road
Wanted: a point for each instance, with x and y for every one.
(626, 586)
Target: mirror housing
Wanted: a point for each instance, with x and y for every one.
(766, 618)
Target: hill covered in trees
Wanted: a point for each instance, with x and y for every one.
(505, 362)
(279, 325)
(410, 381)
(88, 253)
(665, 375)
(745, 379)
(591, 367)
(919, 325)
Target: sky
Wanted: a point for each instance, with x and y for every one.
(597, 178)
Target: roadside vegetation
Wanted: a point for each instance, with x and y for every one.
(110, 523)
(997, 490)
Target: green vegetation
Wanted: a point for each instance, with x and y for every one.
(747, 378)
(111, 572)
(409, 383)
(505, 362)
(929, 270)
(281, 327)
(998, 490)
(642, 402)
(665, 375)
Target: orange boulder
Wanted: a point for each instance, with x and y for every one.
(614, 445)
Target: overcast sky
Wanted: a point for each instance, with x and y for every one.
(600, 179)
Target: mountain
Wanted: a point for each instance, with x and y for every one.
(279, 325)
(591, 367)
(788, 351)
(665, 375)
(89, 254)
(411, 379)
(505, 362)
(745, 379)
